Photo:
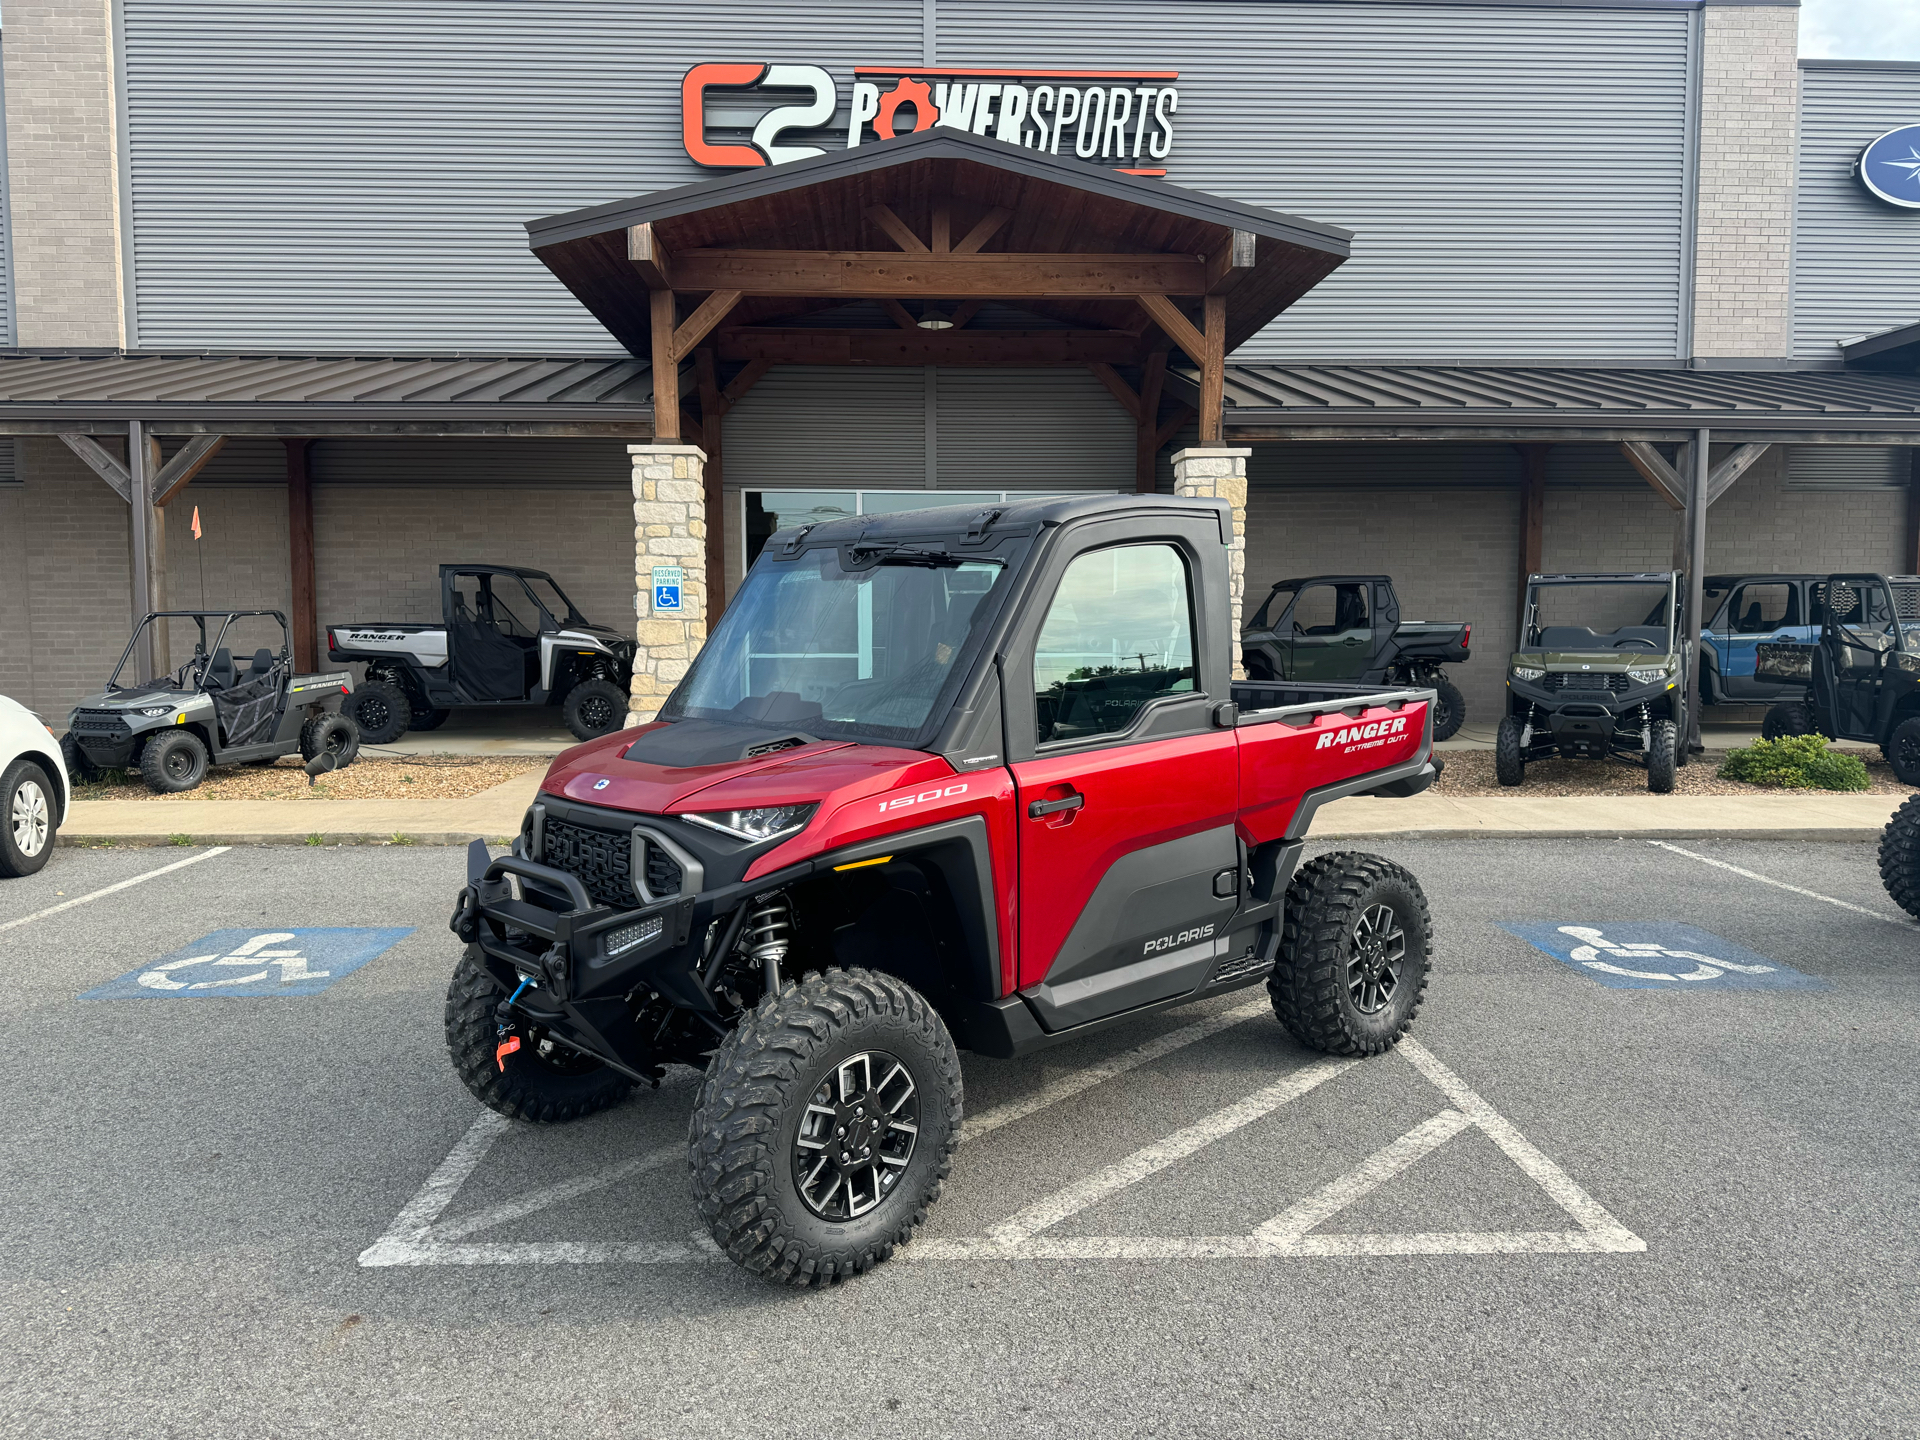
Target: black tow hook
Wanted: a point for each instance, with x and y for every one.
(466, 918)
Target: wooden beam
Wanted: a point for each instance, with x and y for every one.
(1655, 470)
(965, 312)
(713, 406)
(1146, 442)
(648, 256)
(897, 229)
(709, 313)
(305, 619)
(101, 462)
(148, 533)
(749, 376)
(1166, 314)
(1118, 388)
(879, 275)
(1731, 469)
(943, 228)
(985, 229)
(174, 476)
(1214, 369)
(666, 366)
(804, 346)
(1234, 259)
(901, 316)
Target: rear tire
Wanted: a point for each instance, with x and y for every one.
(429, 720)
(1510, 765)
(541, 1082)
(594, 708)
(173, 761)
(29, 819)
(1355, 940)
(1662, 743)
(380, 711)
(785, 1068)
(79, 768)
(1901, 854)
(1450, 708)
(1903, 750)
(330, 732)
(1787, 718)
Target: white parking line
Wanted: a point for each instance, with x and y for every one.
(1383, 1166)
(208, 854)
(1783, 885)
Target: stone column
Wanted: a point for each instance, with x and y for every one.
(1216, 472)
(670, 528)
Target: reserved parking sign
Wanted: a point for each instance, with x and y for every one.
(667, 583)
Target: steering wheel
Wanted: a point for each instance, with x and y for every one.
(1637, 640)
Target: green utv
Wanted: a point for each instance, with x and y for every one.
(1598, 675)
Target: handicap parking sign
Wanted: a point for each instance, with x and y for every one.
(299, 962)
(667, 583)
(1659, 955)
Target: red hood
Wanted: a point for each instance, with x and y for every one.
(813, 772)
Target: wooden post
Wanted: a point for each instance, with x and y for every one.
(1914, 512)
(305, 619)
(1533, 518)
(1697, 514)
(666, 368)
(1147, 444)
(712, 409)
(1213, 368)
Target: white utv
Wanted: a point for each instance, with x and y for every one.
(507, 637)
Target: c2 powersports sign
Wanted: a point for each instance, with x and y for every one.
(1123, 118)
(1889, 167)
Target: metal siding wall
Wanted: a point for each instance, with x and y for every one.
(342, 175)
(1849, 467)
(829, 427)
(1515, 177)
(1035, 430)
(6, 228)
(1855, 263)
(473, 461)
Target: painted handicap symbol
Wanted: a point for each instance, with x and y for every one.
(301, 961)
(1656, 955)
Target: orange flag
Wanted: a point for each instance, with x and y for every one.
(196, 522)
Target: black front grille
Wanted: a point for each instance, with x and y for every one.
(602, 861)
(663, 873)
(1577, 680)
(102, 725)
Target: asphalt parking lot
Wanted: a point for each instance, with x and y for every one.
(1638, 1207)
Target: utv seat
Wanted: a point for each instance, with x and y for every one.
(262, 663)
(220, 672)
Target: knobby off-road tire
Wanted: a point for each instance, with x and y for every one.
(380, 710)
(1901, 854)
(746, 1132)
(1903, 751)
(429, 720)
(79, 768)
(1663, 745)
(330, 733)
(1787, 718)
(541, 1083)
(594, 708)
(1450, 708)
(28, 818)
(173, 761)
(1510, 766)
(1327, 987)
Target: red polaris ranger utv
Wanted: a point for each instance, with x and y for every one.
(943, 777)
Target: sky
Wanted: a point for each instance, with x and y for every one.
(1860, 29)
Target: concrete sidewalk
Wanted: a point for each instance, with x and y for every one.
(496, 813)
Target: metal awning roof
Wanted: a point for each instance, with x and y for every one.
(1440, 402)
(325, 394)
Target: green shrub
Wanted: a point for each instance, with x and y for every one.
(1802, 763)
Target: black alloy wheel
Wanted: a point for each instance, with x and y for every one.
(856, 1136)
(1380, 953)
(1903, 751)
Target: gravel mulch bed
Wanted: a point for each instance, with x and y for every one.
(1471, 773)
(428, 778)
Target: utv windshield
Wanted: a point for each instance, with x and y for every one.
(858, 654)
(1600, 615)
(554, 600)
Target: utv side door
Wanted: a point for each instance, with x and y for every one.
(1126, 789)
(1860, 637)
(1332, 631)
(1756, 611)
(493, 655)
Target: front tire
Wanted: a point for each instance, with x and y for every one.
(1903, 750)
(594, 708)
(380, 710)
(1450, 708)
(28, 821)
(1510, 765)
(542, 1081)
(173, 761)
(1663, 742)
(1899, 856)
(796, 1080)
(79, 768)
(1355, 940)
(1787, 718)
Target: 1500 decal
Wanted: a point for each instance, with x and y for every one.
(939, 793)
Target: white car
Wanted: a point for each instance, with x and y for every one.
(33, 790)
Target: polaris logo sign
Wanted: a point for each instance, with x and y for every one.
(1372, 731)
(1122, 118)
(1168, 943)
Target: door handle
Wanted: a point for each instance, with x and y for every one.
(1037, 809)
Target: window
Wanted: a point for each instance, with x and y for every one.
(1119, 634)
(1332, 611)
(1762, 609)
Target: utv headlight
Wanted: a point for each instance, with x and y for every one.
(155, 709)
(763, 823)
(1907, 661)
(1647, 676)
(1527, 672)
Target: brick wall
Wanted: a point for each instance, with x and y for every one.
(62, 172)
(1744, 238)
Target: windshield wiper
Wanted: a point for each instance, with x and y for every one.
(909, 555)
